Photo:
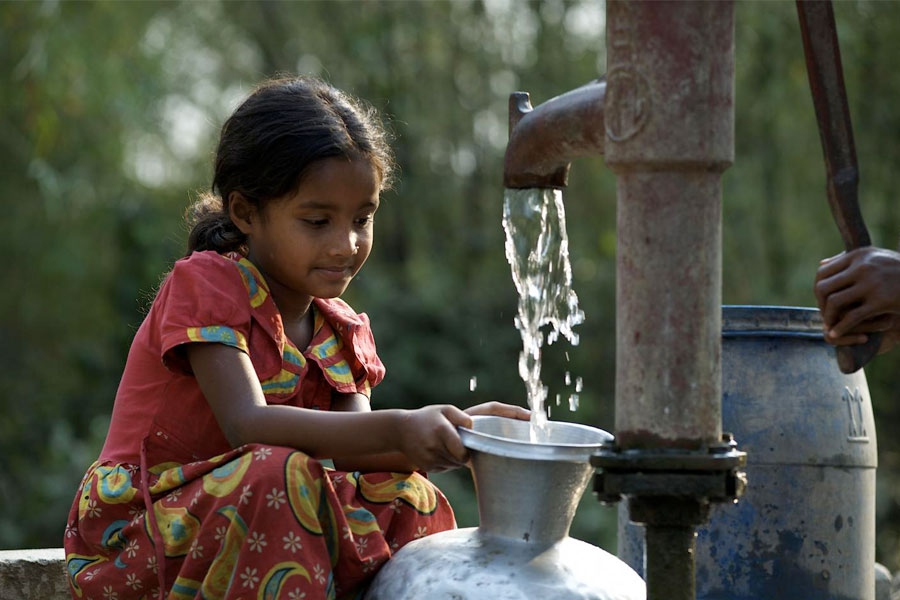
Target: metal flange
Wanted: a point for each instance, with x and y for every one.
(713, 474)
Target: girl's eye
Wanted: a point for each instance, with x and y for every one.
(362, 221)
(316, 222)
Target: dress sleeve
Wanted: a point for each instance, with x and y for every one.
(203, 299)
(370, 370)
(353, 364)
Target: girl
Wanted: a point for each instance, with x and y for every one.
(248, 369)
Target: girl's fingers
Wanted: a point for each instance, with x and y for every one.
(455, 453)
(450, 440)
(448, 451)
(499, 409)
(457, 417)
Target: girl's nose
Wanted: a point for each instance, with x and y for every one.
(345, 243)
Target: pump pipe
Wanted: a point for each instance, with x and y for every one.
(545, 139)
(670, 135)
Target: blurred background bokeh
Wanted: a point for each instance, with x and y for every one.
(110, 112)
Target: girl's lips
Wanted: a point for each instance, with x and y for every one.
(335, 273)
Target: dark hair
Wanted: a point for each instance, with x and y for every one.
(267, 145)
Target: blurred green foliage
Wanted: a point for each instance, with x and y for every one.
(110, 112)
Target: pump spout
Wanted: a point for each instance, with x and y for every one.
(545, 139)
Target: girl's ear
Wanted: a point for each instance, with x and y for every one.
(242, 212)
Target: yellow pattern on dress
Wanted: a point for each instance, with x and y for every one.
(304, 492)
(169, 479)
(177, 527)
(413, 489)
(184, 589)
(273, 583)
(114, 484)
(219, 334)
(253, 281)
(223, 480)
(221, 571)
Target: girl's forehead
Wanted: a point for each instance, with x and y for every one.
(340, 167)
(334, 181)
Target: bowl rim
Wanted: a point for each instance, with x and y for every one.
(487, 443)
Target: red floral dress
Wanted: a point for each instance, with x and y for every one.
(170, 510)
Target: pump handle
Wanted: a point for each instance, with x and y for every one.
(826, 82)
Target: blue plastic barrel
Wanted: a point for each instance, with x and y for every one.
(805, 527)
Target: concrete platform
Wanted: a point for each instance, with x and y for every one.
(33, 575)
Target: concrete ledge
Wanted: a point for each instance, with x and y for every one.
(41, 575)
(33, 575)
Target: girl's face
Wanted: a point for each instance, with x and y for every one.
(312, 242)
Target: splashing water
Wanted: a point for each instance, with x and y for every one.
(537, 249)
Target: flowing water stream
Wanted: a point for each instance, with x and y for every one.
(537, 249)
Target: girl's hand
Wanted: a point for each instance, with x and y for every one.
(428, 437)
(499, 409)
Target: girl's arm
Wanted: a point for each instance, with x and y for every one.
(396, 462)
(426, 437)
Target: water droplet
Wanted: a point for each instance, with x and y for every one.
(473, 383)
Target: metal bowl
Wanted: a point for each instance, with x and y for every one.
(511, 438)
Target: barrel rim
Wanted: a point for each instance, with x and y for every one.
(744, 320)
